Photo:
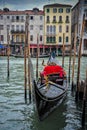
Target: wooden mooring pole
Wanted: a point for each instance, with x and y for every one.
(29, 64)
(25, 59)
(70, 63)
(8, 53)
(79, 62)
(73, 66)
(84, 101)
(63, 53)
(37, 58)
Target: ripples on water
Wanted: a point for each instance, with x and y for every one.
(16, 115)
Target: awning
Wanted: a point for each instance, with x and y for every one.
(1, 46)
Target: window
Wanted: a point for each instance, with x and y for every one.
(54, 10)
(1, 17)
(31, 27)
(40, 37)
(1, 27)
(13, 18)
(13, 38)
(67, 28)
(31, 18)
(22, 18)
(50, 29)
(2, 38)
(54, 18)
(22, 27)
(41, 17)
(41, 27)
(48, 10)
(60, 39)
(8, 27)
(67, 10)
(8, 17)
(60, 28)
(47, 29)
(85, 44)
(31, 37)
(47, 39)
(48, 19)
(17, 18)
(22, 38)
(12, 27)
(54, 29)
(67, 19)
(67, 39)
(17, 38)
(60, 19)
(54, 39)
(17, 27)
(51, 39)
(60, 10)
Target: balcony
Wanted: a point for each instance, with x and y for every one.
(54, 21)
(60, 21)
(67, 21)
(17, 31)
(17, 20)
(48, 21)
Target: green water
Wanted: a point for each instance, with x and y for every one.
(16, 115)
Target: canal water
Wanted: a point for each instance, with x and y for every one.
(16, 115)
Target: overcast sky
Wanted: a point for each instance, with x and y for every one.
(30, 4)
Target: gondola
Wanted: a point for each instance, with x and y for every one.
(50, 90)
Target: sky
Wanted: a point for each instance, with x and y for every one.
(30, 4)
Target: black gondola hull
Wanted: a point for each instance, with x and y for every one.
(48, 99)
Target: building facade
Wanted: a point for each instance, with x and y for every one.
(15, 21)
(78, 11)
(52, 27)
(57, 27)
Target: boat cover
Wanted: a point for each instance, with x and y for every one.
(53, 69)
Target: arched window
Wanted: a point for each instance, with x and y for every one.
(67, 19)
(54, 29)
(60, 39)
(60, 19)
(50, 29)
(60, 28)
(47, 28)
(67, 39)
(67, 28)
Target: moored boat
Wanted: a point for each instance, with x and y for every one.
(50, 90)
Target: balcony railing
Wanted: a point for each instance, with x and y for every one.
(17, 31)
(60, 21)
(67, 21)
(48, 21)
(17, 20)
(54, 21)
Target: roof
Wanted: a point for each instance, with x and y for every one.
(17, 12)
(57, 5)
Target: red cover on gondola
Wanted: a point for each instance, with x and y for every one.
(53, 69)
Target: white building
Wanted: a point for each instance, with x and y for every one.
(15, 22)
(78, 11)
